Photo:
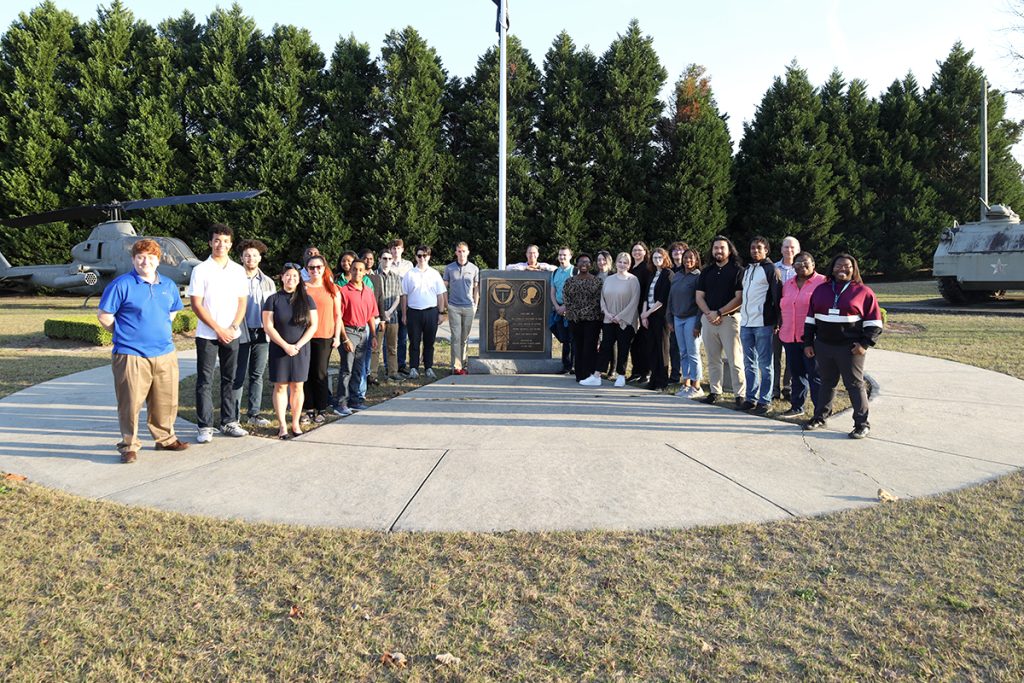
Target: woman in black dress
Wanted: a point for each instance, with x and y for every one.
(654, 306)
(289, 318)
(643, 269)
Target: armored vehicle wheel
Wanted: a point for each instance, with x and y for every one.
(950, 290)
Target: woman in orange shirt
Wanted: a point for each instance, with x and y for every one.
(327, 337)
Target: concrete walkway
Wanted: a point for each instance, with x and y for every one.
(486, 453)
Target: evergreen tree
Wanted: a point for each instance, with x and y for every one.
(566, 145)
(952, 106)
(37, 66)
(631, 78)
(905, 219)
(412, 161)
(280, 136)
(784, 180)
(475, 193)
(217, 108)
(694, 169)
(332, 207)
(124, 115)
(851, 119)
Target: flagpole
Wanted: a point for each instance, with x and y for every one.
(502, 145)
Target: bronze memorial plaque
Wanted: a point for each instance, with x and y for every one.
(514, 315)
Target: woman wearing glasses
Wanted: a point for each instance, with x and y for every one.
(289, 317)
(327, 337)
(423, 303)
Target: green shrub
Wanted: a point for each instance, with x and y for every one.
(82, 328)
(185, 321)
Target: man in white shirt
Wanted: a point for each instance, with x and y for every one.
(219, 292)
(423, 304)
(781, 380)
(532, 261)
(403, 266)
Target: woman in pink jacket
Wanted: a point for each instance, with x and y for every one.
(796, 297)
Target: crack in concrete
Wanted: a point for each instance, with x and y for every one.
(416, 492)
(734, 481)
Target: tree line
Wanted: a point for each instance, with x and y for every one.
(359, 148)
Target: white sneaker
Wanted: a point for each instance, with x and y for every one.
(413, 374)
(233, 429)
(685, 392)
(592, 381)
(205, 435)
(342, 411)
(430, 373)
(620, 381)
(258, 421)
(697, 393)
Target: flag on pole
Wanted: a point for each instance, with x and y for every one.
(497, 21)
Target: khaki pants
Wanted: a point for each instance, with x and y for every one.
(390, 347)
(153, 381)
(376, 354)
(724, 340)
(460, 322)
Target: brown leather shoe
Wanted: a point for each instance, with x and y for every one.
(177, 445)
(128, 456)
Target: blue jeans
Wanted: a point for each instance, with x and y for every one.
(207, 353)
(757, 362)
(367, 358)
(689, 347)
(804, 372)
(350, 373)
(252, 363)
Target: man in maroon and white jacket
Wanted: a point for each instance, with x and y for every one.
(843, 322)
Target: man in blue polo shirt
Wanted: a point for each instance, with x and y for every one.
(138, 308)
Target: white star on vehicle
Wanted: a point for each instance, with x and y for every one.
(998, 266)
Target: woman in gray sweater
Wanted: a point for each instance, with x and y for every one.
(620, 297)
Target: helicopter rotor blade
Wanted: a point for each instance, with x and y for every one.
(188, 199)
(96, 212)
(93, 212)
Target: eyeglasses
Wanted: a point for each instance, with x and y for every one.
(422, 255)
(315, 268)
(385, 258)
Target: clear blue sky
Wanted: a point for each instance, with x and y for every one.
(744, 44)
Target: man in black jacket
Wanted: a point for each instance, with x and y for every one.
(759, 316)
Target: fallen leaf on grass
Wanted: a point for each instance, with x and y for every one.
(706, 647)
(448, 659)
(395, 659)
(886, 497)
(295, 612)
(11, 476)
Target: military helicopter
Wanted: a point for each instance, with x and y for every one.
(107, 252)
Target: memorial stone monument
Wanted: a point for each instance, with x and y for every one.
(515, 307)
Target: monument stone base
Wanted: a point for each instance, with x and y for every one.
(514, 366)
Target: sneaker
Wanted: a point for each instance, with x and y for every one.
(740, 402)
(760, 410)
(685, 392)
(746, 405)
(258, 421)
(319, 418)
(620, 381)
(342, 411)
(697, 392)
(233, 429)
(358, 406)
(395, 378)
(592, 381)
(413, 374)
(638, 379)
(430, 374)
(814, 423)
(793, 412)
(205, 435)
(860, 431)
(711, 399)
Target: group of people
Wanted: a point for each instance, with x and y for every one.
(382, 320)
(656, 307)
(651, 307)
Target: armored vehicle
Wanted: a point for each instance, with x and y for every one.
(981, 260)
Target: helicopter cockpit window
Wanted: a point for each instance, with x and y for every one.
(172, 256)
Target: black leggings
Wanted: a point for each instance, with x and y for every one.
(611, 336)
(317, 390)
